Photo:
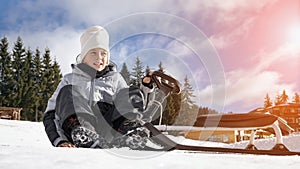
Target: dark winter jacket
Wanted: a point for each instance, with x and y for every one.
(97, 86)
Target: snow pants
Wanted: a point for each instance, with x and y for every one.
(104, 117)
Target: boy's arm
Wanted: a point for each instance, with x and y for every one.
(53, 131)
(52, 128)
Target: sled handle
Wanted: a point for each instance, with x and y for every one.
(166, 83)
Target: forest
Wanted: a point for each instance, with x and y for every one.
(29, 78)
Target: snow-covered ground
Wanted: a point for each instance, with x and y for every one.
(25, 145)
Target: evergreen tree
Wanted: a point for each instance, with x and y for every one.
(189, 110)
(5, 73)
(27, 81)
(267, 102)
(28, 91)
(172, 109)
(37, 81)
(160, 67)
(296, 98)
(187, 93)
(147, 70)
(277, 100)
(284, 98)
(18, 60)
(137, 73)
(281, 99)
(47, 80)
(56, 75)
(125, 73)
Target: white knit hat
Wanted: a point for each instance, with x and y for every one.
(93, 37)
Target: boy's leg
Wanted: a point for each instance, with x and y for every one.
(129, 106)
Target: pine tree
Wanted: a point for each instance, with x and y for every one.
(284, 98)
(137, 73)
(125, 73)
(189, 109)
(160, 67)
(5, 73)
(37, 81)
(267, 102)
(56, 74)
(296, 98)
(18, 60)
(27, 81)
(147, 70)
(47, 80)
(281, 99)
(28, 91)
(187, 93)
(277, 100)
(172, 109)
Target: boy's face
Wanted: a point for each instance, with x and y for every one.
(96, 58)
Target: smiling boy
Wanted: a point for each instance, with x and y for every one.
(83, 111)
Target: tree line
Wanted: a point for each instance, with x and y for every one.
(283, 98)
(27, 78)
(180, 109)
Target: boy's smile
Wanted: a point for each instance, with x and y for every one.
(96, 58)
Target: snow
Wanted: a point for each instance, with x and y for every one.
(25, 145)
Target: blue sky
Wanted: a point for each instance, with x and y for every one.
(234, 52)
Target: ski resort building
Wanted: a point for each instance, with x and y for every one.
(290, 112)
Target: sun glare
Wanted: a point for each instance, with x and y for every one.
(294, 34)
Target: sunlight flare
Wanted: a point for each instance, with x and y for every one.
(294, 34)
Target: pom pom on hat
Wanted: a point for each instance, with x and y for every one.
(93, 37)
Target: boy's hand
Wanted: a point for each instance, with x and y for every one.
(147, 80)
(67, 145)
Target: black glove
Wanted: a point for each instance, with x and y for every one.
(150, 84)
(83, 137)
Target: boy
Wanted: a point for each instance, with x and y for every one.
(93, 105)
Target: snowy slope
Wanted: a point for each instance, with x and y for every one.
(25, 145)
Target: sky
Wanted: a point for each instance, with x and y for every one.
(233, 52)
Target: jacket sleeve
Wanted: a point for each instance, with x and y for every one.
(53, 131)
(51, 121)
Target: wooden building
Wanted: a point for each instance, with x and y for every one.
(290, 112)
(10, 113)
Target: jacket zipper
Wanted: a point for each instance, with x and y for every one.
(92, 92)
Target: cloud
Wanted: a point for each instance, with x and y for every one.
(228, 38)
(57, 24)
(63, 43)
(285, 53)
(100, 12)
(246, 88)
